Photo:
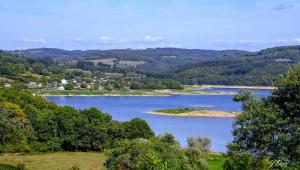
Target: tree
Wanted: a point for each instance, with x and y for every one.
(270, 127)
(137, 128)
(69, 86)
(202, 144)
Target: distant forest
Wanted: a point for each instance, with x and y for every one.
(188, 66)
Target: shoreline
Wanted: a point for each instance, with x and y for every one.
(199, 113)
(237, 87)
(189, 90)
(132, 95)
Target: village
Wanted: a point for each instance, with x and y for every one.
(72, 84)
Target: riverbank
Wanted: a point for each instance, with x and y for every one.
(188, 90)
(194, 113)
(237, 87)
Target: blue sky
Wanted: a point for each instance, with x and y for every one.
(107, 24)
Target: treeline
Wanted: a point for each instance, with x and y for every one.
(156, 84)
(31, 123)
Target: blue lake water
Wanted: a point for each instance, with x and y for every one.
(127, 107)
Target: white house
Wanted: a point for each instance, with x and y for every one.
(61, 88)
(7, 85)
(64, 81)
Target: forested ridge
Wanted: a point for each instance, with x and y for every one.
(189, 66)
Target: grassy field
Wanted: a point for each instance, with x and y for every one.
(67, 160)
(215, 161)
(54, 161)
(175, 111)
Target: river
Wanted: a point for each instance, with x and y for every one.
(124, 108)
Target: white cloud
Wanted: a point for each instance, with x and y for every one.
(105, 38)
(78, 39)
(149, 38)
(145, 39)
(35, 40)
(297, 40)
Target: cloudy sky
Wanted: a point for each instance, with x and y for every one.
(107, 24)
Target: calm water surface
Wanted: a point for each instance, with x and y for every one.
(128, 107)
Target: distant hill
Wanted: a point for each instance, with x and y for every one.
(156, 60)
(190, 66)
(259, 68)
(126, 53)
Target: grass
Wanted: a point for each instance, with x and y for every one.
(174, 111)
(67, 160)
(54, 161)
(215, 161)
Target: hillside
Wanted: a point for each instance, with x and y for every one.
(259, 68)
(189, 66)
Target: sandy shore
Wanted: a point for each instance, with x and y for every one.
(199, 113)
(104, 95)
(238, 87)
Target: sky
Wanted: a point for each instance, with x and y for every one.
(138, 24)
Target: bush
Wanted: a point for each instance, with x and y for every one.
(158, 153)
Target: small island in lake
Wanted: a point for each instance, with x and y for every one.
(194, 113)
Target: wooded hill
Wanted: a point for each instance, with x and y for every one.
(190, 66)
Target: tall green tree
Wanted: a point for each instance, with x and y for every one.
(270, 127)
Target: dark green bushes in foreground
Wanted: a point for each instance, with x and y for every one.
(31, 123)
(267, 133)
(159, 153)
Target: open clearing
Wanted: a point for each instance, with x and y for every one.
(54, 161)
(131, 63)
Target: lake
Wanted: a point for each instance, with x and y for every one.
(124, 108)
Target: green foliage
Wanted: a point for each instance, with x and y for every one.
(155, 84)
(31, 123)
(137, 128)
(259, 68)
(17, 68)
(166, 66)
(159, 153)
(69, 86)
(269, 128)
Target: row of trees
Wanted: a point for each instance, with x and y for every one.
(31, 123)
